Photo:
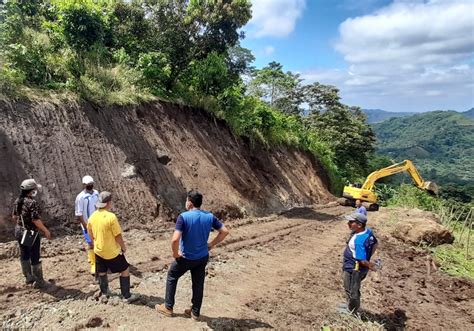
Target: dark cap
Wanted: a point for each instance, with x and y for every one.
(104, 197)
(357, 217)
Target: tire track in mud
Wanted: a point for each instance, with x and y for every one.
(280, 271)
(251, 240)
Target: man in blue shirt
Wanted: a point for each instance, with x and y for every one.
(356, 263)
(360, 208)
(191, 252)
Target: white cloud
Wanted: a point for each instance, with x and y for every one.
(422, 32)
(410, 54)
(268, 50)
(274, 18)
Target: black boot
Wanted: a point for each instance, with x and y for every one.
(104, 285)
(37, 270)
(125, 289)
(26, 269)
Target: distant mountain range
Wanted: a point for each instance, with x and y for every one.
(379, 115)
(440, 143)
(469, 113)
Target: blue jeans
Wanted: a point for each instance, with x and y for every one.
(198, 273)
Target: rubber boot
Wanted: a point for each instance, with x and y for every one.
(125, 289)
(91, 259)
(104, 285)
(26, 268)
(37, 270)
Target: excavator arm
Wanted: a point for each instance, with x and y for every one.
(366, 192)
(396, 168)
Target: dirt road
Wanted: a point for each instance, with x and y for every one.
(281, 272)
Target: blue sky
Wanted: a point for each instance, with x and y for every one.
(394, 55)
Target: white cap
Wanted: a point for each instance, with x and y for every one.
(87, 180)
(29, 184)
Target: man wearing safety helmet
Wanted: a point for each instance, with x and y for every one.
(85, 205)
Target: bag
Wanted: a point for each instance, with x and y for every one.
(28, 237)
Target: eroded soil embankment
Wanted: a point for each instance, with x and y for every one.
(148, 156)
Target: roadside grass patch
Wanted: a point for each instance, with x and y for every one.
(457, 259)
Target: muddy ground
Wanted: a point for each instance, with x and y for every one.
(280, 271)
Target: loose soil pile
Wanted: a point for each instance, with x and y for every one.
(419, 227)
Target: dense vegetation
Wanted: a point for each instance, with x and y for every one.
(440, 143)
(122, 52)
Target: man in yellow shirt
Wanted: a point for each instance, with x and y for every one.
(109, 247)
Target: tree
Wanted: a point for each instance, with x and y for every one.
(320, 97)
(130, 29)
(209, 76)
(190, 30)
(342, 127)
(82, 28)
(292, 95)
(217, 23)
(15, 15)
(280, 90)
(239, 61)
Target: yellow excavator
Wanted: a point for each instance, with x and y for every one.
(366, 191)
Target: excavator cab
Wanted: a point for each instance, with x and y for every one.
(353, 193)
(366, 191)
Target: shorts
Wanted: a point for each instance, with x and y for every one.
(117, 264)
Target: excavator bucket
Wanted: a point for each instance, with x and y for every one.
(431, 187)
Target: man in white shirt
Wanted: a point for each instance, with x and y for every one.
(84, 207)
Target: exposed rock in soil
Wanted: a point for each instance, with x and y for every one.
(129, 172)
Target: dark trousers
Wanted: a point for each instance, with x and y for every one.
(29, 253)
(198, 273)
(352, 283)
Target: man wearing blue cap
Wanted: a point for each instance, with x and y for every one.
(356, 264)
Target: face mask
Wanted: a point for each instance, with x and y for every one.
(34, 193)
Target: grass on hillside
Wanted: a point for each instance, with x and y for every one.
(453, 258)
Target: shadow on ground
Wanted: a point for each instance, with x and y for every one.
(62, 293)
(227, 323)
(149, 300)
(391, 321)
(134, 271)
(307, 213)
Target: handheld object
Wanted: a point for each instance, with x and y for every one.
(86, 235)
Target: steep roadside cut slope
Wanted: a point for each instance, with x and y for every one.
(148, 156)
